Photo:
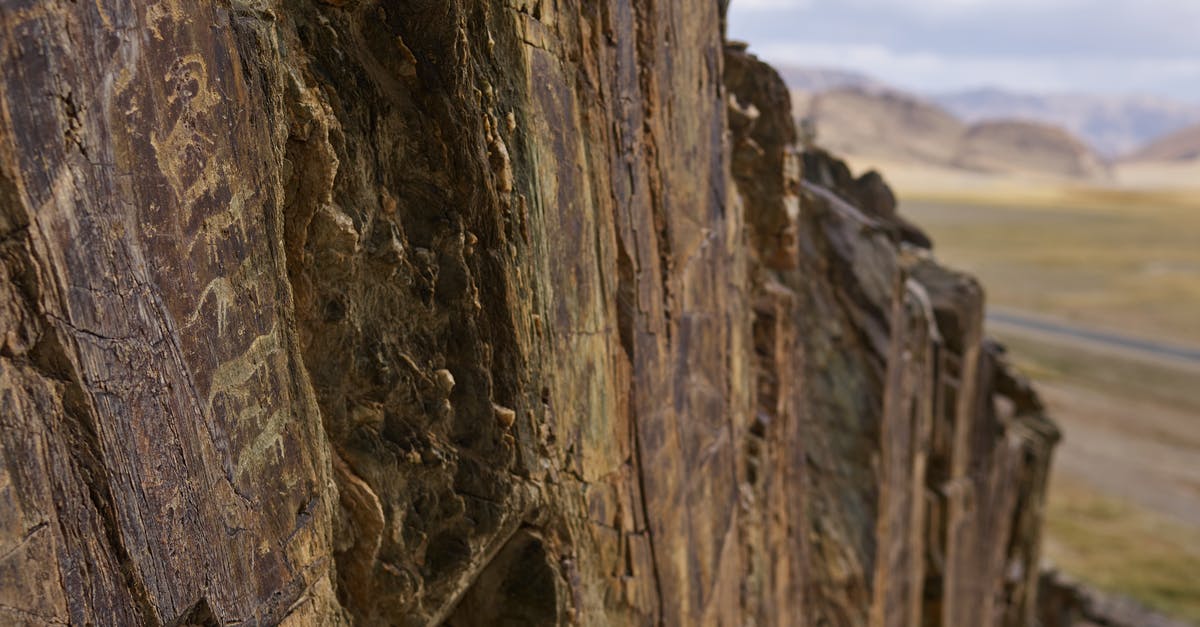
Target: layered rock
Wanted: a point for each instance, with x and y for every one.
(475, 313)
(927, 456)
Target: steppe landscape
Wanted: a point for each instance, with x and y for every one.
(1091, 263)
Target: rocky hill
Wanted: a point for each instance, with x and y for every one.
(892, 126)
(882, 123)
(1181, 145)
(1112, 125)
(995, 146)
(476, 313)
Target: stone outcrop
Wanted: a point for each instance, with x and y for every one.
(1064, 601)
(473, 313)
(926, 456)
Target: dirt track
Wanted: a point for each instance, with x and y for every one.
(1172, 353)
(1135, 449)
(1139, 452)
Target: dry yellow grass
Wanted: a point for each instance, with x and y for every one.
(1124, 511)
(1175, 184)
(1160, 175)
(1123, 549)
(1060, 195)
(1161, 382)
(1118, 259)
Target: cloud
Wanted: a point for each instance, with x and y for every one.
(1087, 45)
(933, 71)
(967, 6)
(926, 7)
(769, 5)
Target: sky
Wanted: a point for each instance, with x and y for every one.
(1149, 47)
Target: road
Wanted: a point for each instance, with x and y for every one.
(1123, 436)
(1094, 338)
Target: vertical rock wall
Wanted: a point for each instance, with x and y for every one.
(465, 312)
(926, 455)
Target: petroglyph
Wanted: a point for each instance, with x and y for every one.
(228, 222)
(232, 376)
(223, 295)
(268, 439)
(185, 152)
(371, 313)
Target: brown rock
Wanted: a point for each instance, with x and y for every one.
(1069, 603)
(444, 380)
(234, 238)
(504, 416)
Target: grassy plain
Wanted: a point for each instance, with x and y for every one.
(1124, 549)
(1121, 260)
(1124, 503)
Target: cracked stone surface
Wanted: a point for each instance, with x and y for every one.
(475, 313)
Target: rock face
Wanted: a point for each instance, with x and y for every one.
(475, 313)
(926, 455)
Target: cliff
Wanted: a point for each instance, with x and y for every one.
(475, 313)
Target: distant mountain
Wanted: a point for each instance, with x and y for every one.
(1113, 125)
(886, 124)
(1022, 146)
(1181, 145)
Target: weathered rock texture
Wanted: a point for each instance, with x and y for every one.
(474, 312)
(926, 455)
